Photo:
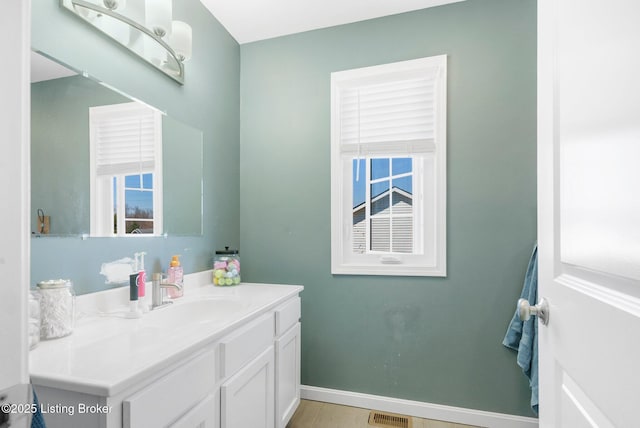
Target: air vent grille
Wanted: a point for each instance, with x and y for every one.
(383, 419)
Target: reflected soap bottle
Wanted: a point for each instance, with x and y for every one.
(175, 274)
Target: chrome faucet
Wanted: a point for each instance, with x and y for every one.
(158, 291)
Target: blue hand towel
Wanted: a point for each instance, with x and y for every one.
(522, 336)
(37, 421)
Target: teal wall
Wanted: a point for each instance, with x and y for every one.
(427, 339)
(181, 177)
(209, 101)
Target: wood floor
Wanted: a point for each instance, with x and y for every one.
(316, 414)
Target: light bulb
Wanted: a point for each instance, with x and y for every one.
(181, 40)
(158, 16)
(86, 13)
(115, 4)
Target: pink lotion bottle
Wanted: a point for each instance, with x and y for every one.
(142, 281)
(175, 274)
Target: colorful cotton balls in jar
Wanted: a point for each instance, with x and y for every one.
(226, 267)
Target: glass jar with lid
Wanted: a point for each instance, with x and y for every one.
(226, 267)
(57, 308)
(34, 319)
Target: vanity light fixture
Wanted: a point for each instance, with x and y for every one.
(145, 27)
(115, 4)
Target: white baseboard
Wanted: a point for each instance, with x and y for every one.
(418, 409)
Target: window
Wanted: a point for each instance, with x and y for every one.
(126, 170)
(388, 169)
(133, 207)
(383, 205)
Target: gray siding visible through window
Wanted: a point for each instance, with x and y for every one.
(359, 230)
(383, 234)
(402, 233)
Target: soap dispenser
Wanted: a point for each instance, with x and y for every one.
(143, 305)
(175, 274)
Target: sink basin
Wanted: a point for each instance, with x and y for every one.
(200, 311)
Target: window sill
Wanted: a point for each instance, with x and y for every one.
(389, 270)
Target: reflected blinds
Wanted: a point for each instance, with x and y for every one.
(124, 138)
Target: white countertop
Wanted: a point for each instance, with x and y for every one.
(107, 353)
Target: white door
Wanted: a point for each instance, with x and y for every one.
(589, 212)
(14, 200)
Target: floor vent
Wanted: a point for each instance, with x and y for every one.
(383, 419)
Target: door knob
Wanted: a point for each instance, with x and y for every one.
(541, 310)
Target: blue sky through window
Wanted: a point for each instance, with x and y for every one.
(135, 195)
(359, 182)
(379, 187)
(133, 181)
(380, 169)
(139, 199)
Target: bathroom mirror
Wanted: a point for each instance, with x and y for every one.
(104, 164)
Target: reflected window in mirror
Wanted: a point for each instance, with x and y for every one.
(60, 158)
(133, 211)
(126, 170)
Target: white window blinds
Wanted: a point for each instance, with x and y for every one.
(124, 138)
(393, 112)
(389, 219)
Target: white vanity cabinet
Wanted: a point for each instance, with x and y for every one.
(203, 415)
(247, 398)
(287, 348)
(247, 364)
(184, 397)
(265, 392)
(243, 374)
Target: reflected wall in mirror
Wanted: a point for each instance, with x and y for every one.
(103, 164)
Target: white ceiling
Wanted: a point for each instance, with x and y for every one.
(252, 20)
(42, 68)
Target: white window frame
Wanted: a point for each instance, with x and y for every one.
(429, 184)
(416, 172)
(120, 197)
(101, 185)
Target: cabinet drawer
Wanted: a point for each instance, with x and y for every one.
(240, 347)
(172, 395)
(287, 315)
(203, 415)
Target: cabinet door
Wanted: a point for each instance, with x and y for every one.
(287, 375)
(203, 415)
(247, 398)
(172, 395)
